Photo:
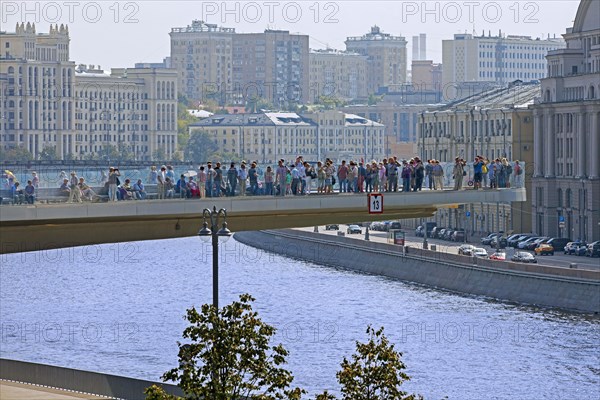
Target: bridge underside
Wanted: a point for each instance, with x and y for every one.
(67, 225)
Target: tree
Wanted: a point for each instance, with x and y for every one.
(19, 154)
(230, 356)
(48, 153)
(375, 372)
(200, 148)
(159, 154)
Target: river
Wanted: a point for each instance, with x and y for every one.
(119, 309)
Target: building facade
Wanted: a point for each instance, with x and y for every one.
(566, 181)
(400, 121)
(235, 68)
(426, 75)
(337, 74)
(48, 102)
(494, 125)
(268, 137)
(387, 59)
(131, 108)
(482, 62)
(202, 55)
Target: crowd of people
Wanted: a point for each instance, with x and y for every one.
(298, 177)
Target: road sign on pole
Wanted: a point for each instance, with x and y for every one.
(375, 203)
(468, 214)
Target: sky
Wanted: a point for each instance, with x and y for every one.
(121, 33)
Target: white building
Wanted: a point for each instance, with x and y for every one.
(566, 180)
(49, 102)
(481, 62)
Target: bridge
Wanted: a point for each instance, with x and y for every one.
(46, 226)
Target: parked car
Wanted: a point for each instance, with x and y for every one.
(558, 243)
(419, 231)
(544, 249)
(353, 229)
(435, 232)
(440, 234)
(480, 252)
(514, 239)
(581, 250)
(593, 249)
(524, 243)
(332, 227)
(394, 225)
(498, 255)
(502, 240)
(515, 242)
(448, 234)
(458, 236)
(466, 250)
(488, 239)
(524, 257)
(572, 247)
(533, 245)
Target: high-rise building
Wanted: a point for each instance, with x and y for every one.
(234, 68)
(273, 65)
(202, 55)
(337, 74)
(476, 63)
(422, 46)
(387, 58)
(48, 102)
(566, 176)
(415, 48)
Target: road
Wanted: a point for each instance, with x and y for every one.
(557, 260)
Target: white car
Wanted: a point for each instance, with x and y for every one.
(480, 252)
(466, 250)
(353, 229)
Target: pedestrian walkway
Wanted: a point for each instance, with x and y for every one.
(20, 391)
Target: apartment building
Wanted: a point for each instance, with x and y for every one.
(49, 102)
(268, 137)
(477, 63)
(566, 176)
(498, 124)
(337, 74)
(135, 108)
(202, 55)
(387, 59)
(235, 68)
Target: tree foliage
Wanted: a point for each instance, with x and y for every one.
(48, 153)
(200, 148)
(19, 154)
(230, 356)
(374, 372)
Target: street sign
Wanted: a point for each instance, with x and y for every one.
(561, 219)
(375, 203)
(468, 214)
(561, 224)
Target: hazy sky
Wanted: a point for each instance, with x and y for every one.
(120, 33)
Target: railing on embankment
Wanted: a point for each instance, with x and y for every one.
(113, 386)
(569, 289)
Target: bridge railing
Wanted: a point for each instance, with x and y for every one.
(79, 381)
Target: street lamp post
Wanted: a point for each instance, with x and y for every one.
(217, 235)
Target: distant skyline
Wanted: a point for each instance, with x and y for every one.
(120, 33)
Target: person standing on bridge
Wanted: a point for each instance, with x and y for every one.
(75, 194)
(242, 178)
(458, 173)
(35, 180)
(419, 174)
(232, 177)
(161, 180)
(438, 176)
(280, 177)
(202, 181)
(478, 171)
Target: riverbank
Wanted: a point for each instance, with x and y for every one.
(568, 289)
